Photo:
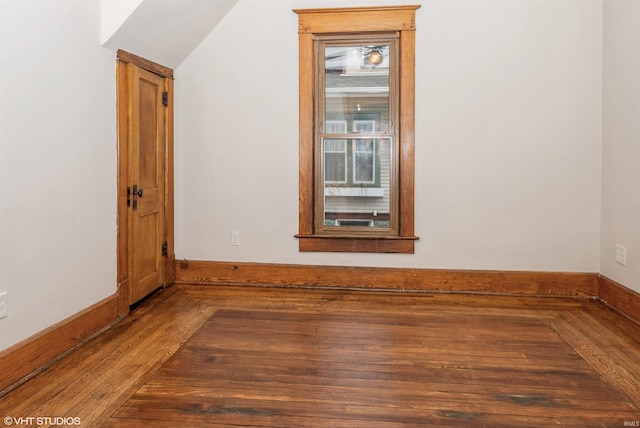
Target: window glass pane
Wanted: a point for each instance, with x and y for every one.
(357, 87)
(363, 161)
(364, 126)
(335, 161)
(336, 127)
(357, 193)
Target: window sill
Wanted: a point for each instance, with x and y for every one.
(357, 244)
(371, 192)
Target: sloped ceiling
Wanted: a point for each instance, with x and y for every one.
(163, 31)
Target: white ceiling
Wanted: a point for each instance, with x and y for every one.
(163, 31)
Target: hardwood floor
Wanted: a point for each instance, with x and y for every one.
(194, 356)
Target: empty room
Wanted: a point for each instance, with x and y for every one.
(311, 213)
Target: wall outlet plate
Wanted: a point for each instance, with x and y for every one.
(3, 304)
(235, 237)
(621, 255)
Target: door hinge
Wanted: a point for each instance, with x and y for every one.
(165, 98)
(165, 249)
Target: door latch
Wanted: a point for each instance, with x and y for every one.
(137, 193)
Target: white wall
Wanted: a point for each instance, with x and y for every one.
(164, 31)
(57, 163)
(508, 137)
(621, 141)
(113, 13)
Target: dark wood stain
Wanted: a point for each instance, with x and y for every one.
(454, 414)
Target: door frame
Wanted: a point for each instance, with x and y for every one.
(123, 61)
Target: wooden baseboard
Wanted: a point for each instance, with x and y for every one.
(409, 279)
(619, 297)
(25, 359)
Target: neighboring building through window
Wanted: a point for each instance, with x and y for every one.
(356, 129)
(335, 153)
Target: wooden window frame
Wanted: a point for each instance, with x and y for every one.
(351, 22)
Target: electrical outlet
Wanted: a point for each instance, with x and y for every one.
(621, 255)
(3, 304)
(235, 237)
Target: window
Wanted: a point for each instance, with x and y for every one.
(356, 129)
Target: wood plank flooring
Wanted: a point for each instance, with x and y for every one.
(207, 356)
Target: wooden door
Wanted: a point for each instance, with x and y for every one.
(147, 143)
(145, 178)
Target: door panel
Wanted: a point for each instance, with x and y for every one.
(147, 173)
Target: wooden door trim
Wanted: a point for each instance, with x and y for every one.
(124, 59)
(168, 185)
(144, 64)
